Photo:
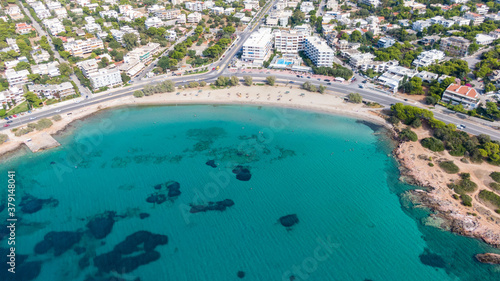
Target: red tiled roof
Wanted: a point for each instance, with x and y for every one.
(462, 90)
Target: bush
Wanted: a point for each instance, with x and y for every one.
(3, 138)
(433, 144)
(495, 176)
(57, 117)
(138, 94)
(431, 164)
(203, 83)
(355, 98)
(465, 186)
(248, 80)
(491, 197)
(466, 200)
(43, 124)
(495, 185)
(449, 167)
(408, 135)
(271, 80)
(193, 84)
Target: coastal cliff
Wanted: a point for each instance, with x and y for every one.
(477, 221)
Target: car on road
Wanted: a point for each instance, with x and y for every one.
(361, 86)
(298, 76)
(327, 80)
(14, 116)
(58, 111)
(319, 79)
(69, 113)
(77, 101)
(32, 118)
(10, 121)
(329, 83)
(184, 81)
(308, 77)
(405, 99)
(6, 125)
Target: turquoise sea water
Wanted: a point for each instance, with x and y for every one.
(334, 173)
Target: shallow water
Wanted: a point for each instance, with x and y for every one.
(333, 172)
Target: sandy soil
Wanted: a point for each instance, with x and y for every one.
(480, 220)
(255, 95)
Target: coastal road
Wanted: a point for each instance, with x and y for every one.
(342, 89)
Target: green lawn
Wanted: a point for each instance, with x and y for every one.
(18, 109)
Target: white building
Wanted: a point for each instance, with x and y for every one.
(105, 78)
(81, 47)
(427, 76)
(17, 77)
(53, 91)
(61, 13)
(170, 35)
(52, 5)
(333, 5)
(109, 14)
(482, 9)
(394, 75)
(374, 3)
(93, 27)
(54, 26)
(258, 45)
(483, 39)
(427, 58)
(419, 25)
(51, 69)
(289, 41)
(306, 7)
(153, 22)
(318, 51)
(194, 17)
(88, 67)
(476, 19)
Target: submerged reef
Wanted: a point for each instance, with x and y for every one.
(289, 220)
(30, 204)
(169, 190)
(141, 243)
(60, 241)
(101, 225)
(212, 206)
(242, 173)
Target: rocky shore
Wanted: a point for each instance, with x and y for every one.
(448, 213)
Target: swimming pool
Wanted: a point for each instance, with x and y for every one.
(282, 61)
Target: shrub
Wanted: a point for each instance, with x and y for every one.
(193, 84)
(271, 80)
(431, 164)
(203, 83)
(433, 144)
(57, 117)
(3, 138)
(138, 94)
(466, 200)
(495, 185)
(408, 135)
(495, 176)
(248, 80)
(355, 98)
(43, 124)
(465, 186)
(449, 167)
(491, 197)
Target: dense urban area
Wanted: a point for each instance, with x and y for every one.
(442, 53)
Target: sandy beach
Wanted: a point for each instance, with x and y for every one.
(290, 97)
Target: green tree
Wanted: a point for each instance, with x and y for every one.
(355, 98)
(271, 80)
(125, 77)
(321, 89)
(248, 80)
(234, 81)
(130, 41)
(66, 69)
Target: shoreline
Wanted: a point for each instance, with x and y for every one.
(320, 103)
(448, 214)
(452, 216)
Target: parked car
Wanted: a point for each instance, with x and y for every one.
(6, 125)
(58, 110)
(10, 121)
(14, 116)
(327, 80)
(6, 118)
(32, 118)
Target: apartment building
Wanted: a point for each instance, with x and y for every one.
(289, 41)
(17, 77)
(483, 39)
(306, 7)
(105, 78)
(54, 26)
(386, 42)
(88, 67)
(482, 9)
(194, 17)
(109, 14)
(359, 59)
(374, 3)
(476, 19)
(318, 51)
(428, 57)
(420, 25)
(14, 12)
(153, 22)
(394, 75)
(83, 47)
(40, 55)
(118, 34)
(168, 14)
(40, 10)
(458, 94)
(455, 46)
(51, 69)
(258, 45)
(198, 6)
(53, 91)
(61, 13)
(333, 5)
